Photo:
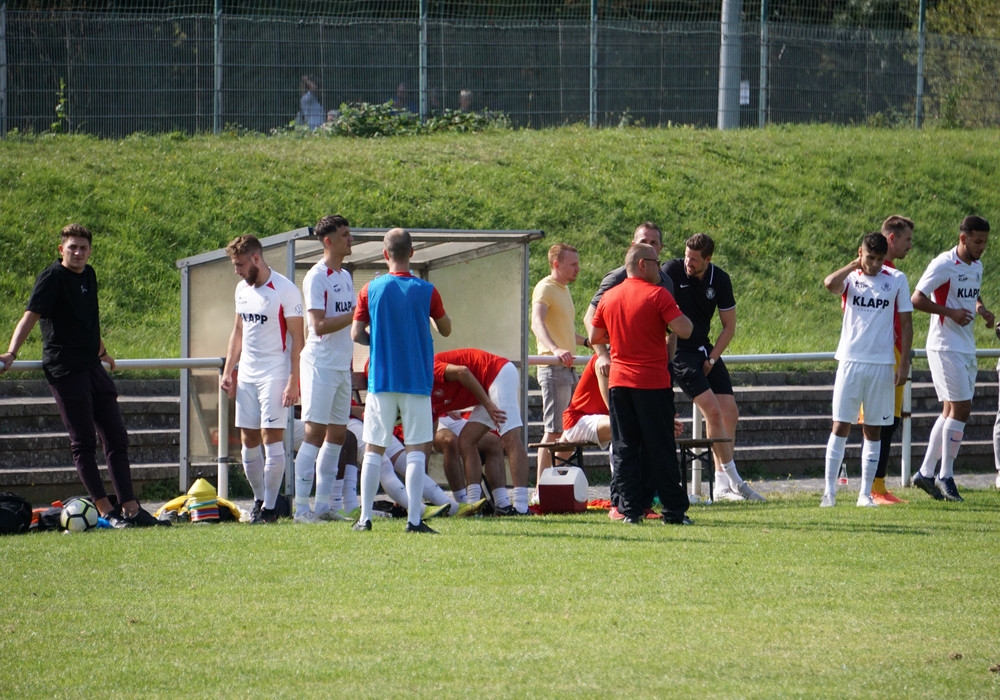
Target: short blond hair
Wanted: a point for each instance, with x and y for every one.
(556, 251)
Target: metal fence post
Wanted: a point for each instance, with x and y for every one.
(729, 65)
(3, 70)
(921, 48)
(765, 56)
(593, 63)
(217, 80)
(423, 60)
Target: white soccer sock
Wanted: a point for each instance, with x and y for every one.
(934, 447)
(474, 492)
(326, 474)
(274, 472)
(834, 458)
(371, 465)
(722, 482)
(391, 484)
(729, 468)
(433, 493)
(253, 467)
(500, 497)
(350, 492)
(415, 465)
(521, 499)
(952, 435)
(459, 495)
(337, 496)
(870, 450)
(305, 470)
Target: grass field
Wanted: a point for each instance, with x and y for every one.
(782, 599)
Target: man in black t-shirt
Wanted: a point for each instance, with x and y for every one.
(700, 289)
(64, 299)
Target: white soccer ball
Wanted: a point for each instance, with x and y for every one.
(79, 515)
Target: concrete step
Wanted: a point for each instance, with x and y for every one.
(38, 450)
(39, 414)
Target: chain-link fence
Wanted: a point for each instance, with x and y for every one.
(199, 66)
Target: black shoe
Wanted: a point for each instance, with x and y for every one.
(685, 520)
(362, 526)
(422, 527)
(629, 520)
(141, 518)
(258, 506)
(508, 511)
(268, 516)
(926, 484)
(948, 489)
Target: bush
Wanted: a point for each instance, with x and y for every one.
(364, 120)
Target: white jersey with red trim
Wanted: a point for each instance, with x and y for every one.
(950, 282)
(870, 304)
(266, 340)
(332, 292)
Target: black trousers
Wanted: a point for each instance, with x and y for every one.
(645, 453)
(87, 400)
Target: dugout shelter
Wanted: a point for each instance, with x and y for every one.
(482, 277)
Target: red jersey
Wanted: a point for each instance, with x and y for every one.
(587, 399)
(452, 396)
(636, 314)
(897, 327)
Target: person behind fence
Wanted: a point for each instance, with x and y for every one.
(311, 112)
(949, 291)
(328, 292)
(702, 288)
(266, 343)
(491, 386)
(634, 318)
(64, 303)
(391, 318)
(553, 321)
(871, 295)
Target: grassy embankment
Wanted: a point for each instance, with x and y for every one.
(786, 205)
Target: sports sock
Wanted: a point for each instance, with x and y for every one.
(350, 491)
(888, 431)
(474, 492)
(869, 464)
(721, 481)
(326, 474)
(459, 495)
(415, 466)
(253, 467)
(878, 484)
(433, 493)
(953, 432)
(996, 442)
(337, 496)
(521, 499)
(933, 454)
(274, 472)
(371, 465)
(305, 470)
(734, 476)
(500, 497)
(834, 458)
(391, 484)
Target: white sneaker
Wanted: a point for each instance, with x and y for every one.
(306, 516)
(865, 501)
(829, 500)
(533, 501)
(998, 481)
(748, 493)
(727, 494)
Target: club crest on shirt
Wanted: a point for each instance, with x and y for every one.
(710, 293)
(886, 286)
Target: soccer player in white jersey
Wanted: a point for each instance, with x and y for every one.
(949, 291)
(871, 295)
(266, 342)
(328, 293)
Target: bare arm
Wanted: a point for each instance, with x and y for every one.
(681, 326)
(985, 313)
(905, 345)
(296, 326)
(462, 375)
(21, 332)
(539, 312)
(921, 302)
(359, 333)
(603, 352)
(600, 336)
(443, 325)
(233, 353)
(834, 282)
(320, 324)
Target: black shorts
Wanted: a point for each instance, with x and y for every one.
(687, 371)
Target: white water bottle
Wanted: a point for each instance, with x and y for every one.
(842, 476)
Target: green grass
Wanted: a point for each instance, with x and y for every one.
(786, 204)
(784, 599)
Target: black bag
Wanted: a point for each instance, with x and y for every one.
(15, 514)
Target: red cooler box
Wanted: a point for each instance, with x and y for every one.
(562, 490)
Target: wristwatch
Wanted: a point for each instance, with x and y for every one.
(711, 361)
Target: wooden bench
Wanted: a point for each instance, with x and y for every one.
(688, 450)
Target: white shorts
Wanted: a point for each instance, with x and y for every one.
(455, 425)
(954, 374)
(326, 395)
(258, 404)
(860, 383)
(381, 409)
(585, 430)
(505, 392)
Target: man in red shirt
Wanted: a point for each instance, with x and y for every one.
(467, 378)
(634, 318)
